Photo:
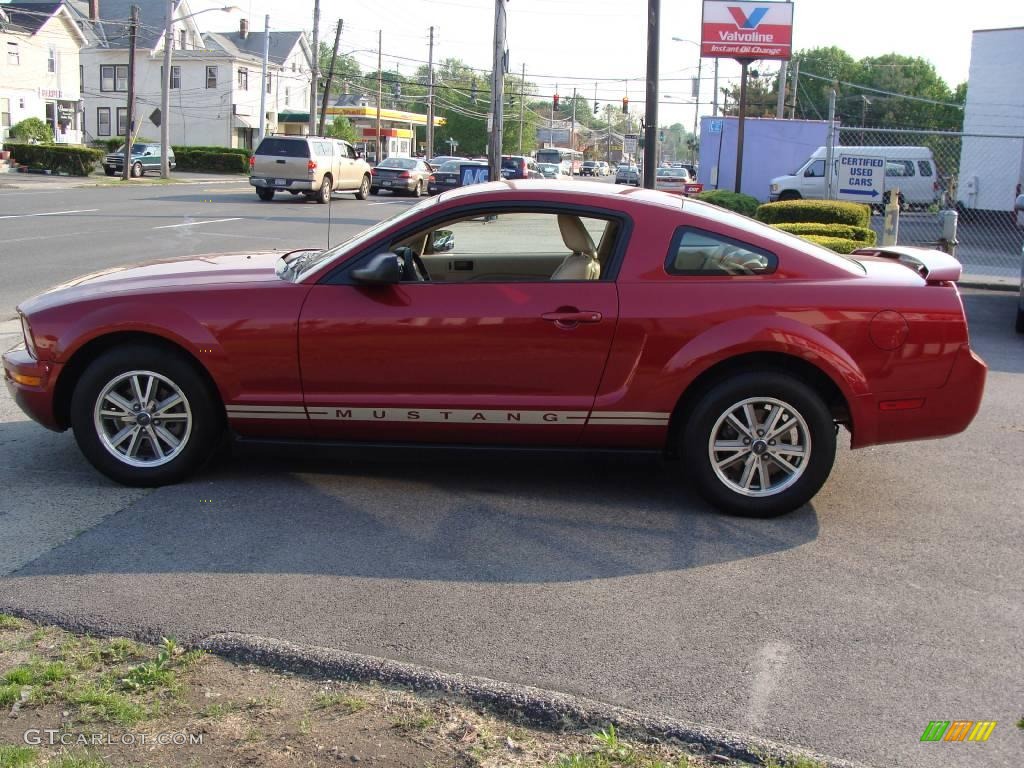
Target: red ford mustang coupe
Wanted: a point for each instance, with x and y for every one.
(521, 314)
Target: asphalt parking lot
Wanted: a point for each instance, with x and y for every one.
(894, 599)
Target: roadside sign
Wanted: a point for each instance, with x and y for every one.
(891, 226)
(861, 178)
(746, 30)
(715, 126)
(473, 174)
(629, 143)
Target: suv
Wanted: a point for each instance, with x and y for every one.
(590, 168)
(308, 165)
(145, 157)
(519, 167)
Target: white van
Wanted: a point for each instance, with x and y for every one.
(912, 169)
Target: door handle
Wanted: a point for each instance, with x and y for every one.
(572, 317)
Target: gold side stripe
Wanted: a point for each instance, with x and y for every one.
(629, 415)
(446, 415)
(267, 408)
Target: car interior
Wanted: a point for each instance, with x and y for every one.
(510, 247)
(702, 253)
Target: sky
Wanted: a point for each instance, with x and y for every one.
(580, 43)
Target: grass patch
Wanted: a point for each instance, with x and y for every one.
(340, 702)
(414, 721)
(77, 761)
(9, 622)
(38, 672)
(105, 705)
(797, 762)
(16, 757)
(8, 695)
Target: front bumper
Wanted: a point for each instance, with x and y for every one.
(303, 185)
(31, 384)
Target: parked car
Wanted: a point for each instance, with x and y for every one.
(677, 181)
(628, 174)
(552, 171)
(144, 157)
(401, 175)
(439, 160)
(309, 165)
(590, 168)
(519, 167)
(449, 175)
(624, 320)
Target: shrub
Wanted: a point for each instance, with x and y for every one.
(75, 160)
(837, 244)
(732, 201)
(108, 145)
(863, 235)
(189, 159)
(817, 211)
(32, 129)
(216, 150)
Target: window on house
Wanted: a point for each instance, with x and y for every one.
(51, 60)
(211, 77)
(81, 78)
(181, 39)
(114, 77)
(243, 78)
(13, 57)
(122, 78)
(103, 121)
(175, 77)
(287, 96)
(270, 80)
(5, 117)
(122, 121)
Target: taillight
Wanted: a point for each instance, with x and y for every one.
(373, 171)
(431, 178)
(404, 175)
(252, 161)
(311, 165)
(936, 186)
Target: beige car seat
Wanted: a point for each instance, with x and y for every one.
(582, 263)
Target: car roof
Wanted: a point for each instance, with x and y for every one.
(572, 192)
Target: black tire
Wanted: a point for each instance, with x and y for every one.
(374, 191)
(137, 170)
(207, 424)
(108, 171)
(1020, 319)
(293, 192)
(364, 188)
(265, 193)
(789, 194)
(418, 192)
(718, 401)
(323, 195)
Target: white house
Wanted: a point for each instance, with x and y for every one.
(40, 72)
(215, 77)
(992, 153)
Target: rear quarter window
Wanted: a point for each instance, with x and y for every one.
(283, 148)
(700, 252)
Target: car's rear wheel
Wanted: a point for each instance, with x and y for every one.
(789, 194)
(418, 192)
(137, 170)
(264, 193)
(324, 195)
(108, 171)
(759, 444)
(144, 416)
(364, 188)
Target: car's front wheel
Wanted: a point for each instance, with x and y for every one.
(759, 444)
(324, 194)
(137, 170)
(144, 416)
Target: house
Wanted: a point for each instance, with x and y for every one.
(215, 78)
(40, 70)
(992, 153)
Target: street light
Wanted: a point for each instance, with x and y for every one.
(165, 84)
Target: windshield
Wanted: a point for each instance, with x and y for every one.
(315, 259)
(673, 173)
(405, 163)
(511, 162)
(549, 156)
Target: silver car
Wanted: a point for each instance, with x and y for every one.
(628, 174)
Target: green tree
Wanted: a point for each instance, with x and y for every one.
(32, 129)
(341, 128)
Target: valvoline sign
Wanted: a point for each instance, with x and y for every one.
(747, 30)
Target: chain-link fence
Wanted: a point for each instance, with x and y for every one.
(977, 175)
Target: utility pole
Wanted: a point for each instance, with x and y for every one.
(572, 128)
(696, 97)
(830, 149)
(330, 76)
(130, 111)
(744, 63)
(551, 129)
(379, 155)
(780, 101)
(497, 90)
(714, 105)
(522, 106)
(651, 107)
(430, 97)
(796, 84)
(263, 79)
(165, 93)
(315, 74)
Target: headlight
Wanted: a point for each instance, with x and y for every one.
(775, 187)
(26, 331)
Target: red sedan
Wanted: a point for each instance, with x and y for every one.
(516, 313)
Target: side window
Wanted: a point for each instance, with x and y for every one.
(698, 252)
(351, 151)
(924, 168)
(516, 246)
(815, 170)
(899, 168)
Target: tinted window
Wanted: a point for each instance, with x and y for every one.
(452, 166)
(405, 163)
(698, 252)
(512, 163)
(924, 168)
(899, 168)
(815, 169)
(283, 148)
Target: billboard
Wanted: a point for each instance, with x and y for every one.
(746, 30)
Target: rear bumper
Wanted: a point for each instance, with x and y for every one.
(894, 417)
(303, 185)
(399, 185)
(35, 399)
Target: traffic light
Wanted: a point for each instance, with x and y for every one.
(555, 101)
(595, 107)
(625, 105)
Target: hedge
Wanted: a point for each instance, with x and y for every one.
(72, 159)
(216, 150)
(189, 159)
(837, 244)
(860, 234)
(817, 211)
(732, 201)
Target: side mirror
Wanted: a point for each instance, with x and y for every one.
(382, 269)
(442, 240)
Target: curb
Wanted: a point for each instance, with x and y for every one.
(534, 705)
(1003, 284)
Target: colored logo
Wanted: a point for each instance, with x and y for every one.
(958, 730)
(747, 22)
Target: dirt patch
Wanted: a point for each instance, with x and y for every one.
(72, 701)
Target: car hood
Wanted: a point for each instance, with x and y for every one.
(192, 272)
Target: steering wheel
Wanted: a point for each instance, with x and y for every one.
(413, 269)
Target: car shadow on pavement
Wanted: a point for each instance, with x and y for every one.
(476, 518)
(990, 318)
